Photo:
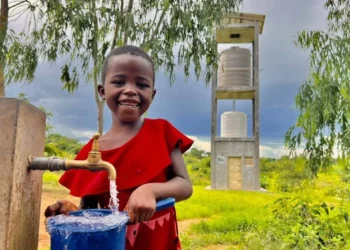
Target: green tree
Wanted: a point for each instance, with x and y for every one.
(197, 153)
(15, 45)
(64, 143)
(324, 98)
(85, 31)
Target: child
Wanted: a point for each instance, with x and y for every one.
(147, 154)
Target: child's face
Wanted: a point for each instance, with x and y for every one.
(128, 87)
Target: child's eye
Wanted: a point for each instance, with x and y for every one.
(118, 82)
(143, 85)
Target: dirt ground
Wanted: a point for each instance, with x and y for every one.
(49, 198)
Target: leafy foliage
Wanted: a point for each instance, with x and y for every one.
(257, 220)
(323, 99)
(18, 56)
(85, 31)
(198, 165)
(284, 174)
(340, 190)
(63, 143)
(299, 224)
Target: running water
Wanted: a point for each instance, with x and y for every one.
(86, 221)
(88, 229)
(114, 204)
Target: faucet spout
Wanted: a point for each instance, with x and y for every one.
(98, 166)
(93, 163)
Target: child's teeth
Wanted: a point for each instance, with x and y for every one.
(133, 105)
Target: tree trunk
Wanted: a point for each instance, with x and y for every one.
(3, 31)
(100, 105)
(2, 81)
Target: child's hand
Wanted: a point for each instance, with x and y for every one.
(141, 205)
(60, 207)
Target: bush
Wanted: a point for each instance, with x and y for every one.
(264, 181)
(298, 224)
(199, 171)
(289, 181)
(346, 178)
(340, 191)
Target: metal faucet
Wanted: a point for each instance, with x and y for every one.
(92, 163)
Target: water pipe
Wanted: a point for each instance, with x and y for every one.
(92, 163)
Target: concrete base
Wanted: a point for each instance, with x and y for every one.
(22, 134)
(233, 164)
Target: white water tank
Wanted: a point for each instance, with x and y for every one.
(233, 124)
(234, 68)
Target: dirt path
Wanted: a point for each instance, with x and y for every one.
(49, 198)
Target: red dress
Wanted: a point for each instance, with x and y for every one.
(143, 159)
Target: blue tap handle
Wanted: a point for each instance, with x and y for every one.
(166, 203)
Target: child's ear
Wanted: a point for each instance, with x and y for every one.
(101, 91)
(154, 93)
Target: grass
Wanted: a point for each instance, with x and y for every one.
(224, 219)
(50, 181)
(224, 216)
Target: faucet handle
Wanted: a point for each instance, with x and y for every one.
(95, 145)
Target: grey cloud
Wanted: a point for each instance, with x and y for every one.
(187, 104)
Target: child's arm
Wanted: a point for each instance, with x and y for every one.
(60, 207)
(179, 185)
(64, 206)
(142, 202)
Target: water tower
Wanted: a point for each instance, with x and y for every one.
(234, 155)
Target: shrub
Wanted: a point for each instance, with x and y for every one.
(339, 190)
(299, 224)
(264, 181)
(289, 181)
(199, 171)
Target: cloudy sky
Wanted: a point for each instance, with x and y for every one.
(187, 104)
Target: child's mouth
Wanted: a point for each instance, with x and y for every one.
(129, 104)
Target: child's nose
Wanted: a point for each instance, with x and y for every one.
(129, 90)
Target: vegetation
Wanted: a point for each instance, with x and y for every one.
(323, 100)
(15, 46)
(198, 166)
(297, 211)
(85, 31)
(65, 145)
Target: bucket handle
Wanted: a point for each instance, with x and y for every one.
(164, 204)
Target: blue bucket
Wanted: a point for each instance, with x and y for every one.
(92, 229)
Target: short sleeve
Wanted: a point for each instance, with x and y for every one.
(174, 138)
(141, 160)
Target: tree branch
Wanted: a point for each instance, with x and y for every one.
(25, 1)
(18, 14)
(146, 37)
(156, 30)
(4, 11)
(116, 30)
(131, 3)
(155, 17)
(94, 50)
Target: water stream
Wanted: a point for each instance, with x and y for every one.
(114, 204)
